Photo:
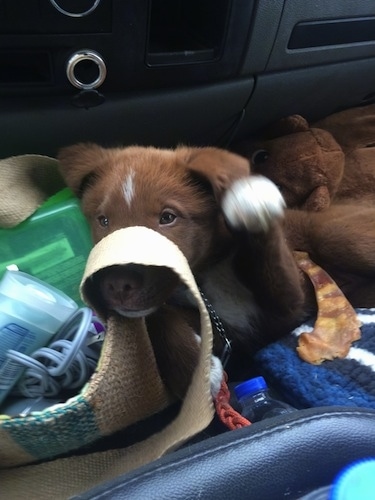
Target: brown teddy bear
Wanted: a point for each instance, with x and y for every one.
(332, 161)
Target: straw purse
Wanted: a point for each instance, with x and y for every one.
(37, 451)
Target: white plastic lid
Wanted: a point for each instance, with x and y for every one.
(37, 296)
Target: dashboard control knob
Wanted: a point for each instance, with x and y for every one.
(86, 69)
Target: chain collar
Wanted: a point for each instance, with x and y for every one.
(219, 328)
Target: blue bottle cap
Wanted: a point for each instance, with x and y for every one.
(250, 387)
(356, 482)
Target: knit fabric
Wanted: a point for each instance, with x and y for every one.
(346, 382)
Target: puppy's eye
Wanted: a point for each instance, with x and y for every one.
(103, 221)
(167, 217)
(259, 156)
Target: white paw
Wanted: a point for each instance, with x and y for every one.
(216, 375)
(217, 371)
(251, 203)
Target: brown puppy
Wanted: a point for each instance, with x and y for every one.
(227, 224)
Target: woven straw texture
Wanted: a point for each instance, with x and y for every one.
(126, 387)
(26, 182)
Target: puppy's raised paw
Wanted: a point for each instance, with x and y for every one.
(252, 203)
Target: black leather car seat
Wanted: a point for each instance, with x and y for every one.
(283, 457)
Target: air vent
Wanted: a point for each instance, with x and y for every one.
(186, 31)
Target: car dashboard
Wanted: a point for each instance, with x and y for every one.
(177, 71)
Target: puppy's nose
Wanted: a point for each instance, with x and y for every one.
(121, 282)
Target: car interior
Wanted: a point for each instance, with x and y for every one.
(199, 73)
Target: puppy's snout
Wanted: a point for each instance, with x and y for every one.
(120, 282)
(132, 290)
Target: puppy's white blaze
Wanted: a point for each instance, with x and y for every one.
(128, 188)
(252, 202)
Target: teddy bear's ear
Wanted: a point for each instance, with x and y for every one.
(288, 125)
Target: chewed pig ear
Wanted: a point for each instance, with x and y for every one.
(79, 164)
(219, 167)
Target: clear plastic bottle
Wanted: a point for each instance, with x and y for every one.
(256, 401)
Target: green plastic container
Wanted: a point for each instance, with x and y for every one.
(52, 245)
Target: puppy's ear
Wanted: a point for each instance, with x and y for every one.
(79, 165)
(219, 167)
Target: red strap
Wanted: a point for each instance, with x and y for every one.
(228, 415)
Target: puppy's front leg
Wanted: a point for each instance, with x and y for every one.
(176, 347)
(253, 208)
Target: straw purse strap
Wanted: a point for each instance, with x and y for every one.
(26, 182)
(65, 477)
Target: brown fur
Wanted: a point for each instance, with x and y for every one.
(341, 239)
(332, 162)
(190, 183)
